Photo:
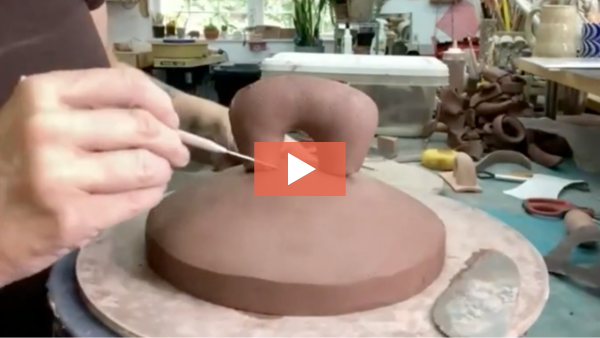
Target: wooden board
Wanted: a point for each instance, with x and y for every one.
(127, 297)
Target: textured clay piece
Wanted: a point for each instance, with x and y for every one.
(463, 178)
(576, 219)
(297, 256)
(558, 260)
(481, 299)
(504, 157)
(484, 119)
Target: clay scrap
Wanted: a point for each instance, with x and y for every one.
(297, 255)
(559, 262)
(484, 118)
(481, 299)
(463, 177)
(504, 157)
(576, 219)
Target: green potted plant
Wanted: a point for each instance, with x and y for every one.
(211, 32)
(307, 22)
(158, 25)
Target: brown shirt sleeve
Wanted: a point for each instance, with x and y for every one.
(94, 4)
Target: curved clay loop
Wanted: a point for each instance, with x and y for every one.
(493, 74)
(464, 170)
(494, 108)
(451, 103)
(454, 138)
(269, 108)
(539, 156)
(512, 88)
(504, 157)
(508, 129)
(487, 92)
(487, 129)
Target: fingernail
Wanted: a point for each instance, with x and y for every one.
(185, 156)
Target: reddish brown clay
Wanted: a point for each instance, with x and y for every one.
(304, 256)
(484, 119)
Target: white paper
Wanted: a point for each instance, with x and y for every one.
(541, 186)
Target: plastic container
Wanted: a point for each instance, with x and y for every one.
(403, 87)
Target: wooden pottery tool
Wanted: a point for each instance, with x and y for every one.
(462, 178)
(481, 300)
(575, 219)
(558, 260)
(486, 175)
(212, 146)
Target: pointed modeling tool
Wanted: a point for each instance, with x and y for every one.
(214, 147)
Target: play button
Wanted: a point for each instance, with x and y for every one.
(297, 169)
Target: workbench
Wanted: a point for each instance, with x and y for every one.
(570, 311)
(586, 81)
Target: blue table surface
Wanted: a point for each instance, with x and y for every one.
(571, 311)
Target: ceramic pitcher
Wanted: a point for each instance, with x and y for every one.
(558, 34)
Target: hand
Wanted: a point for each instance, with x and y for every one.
(210, 120)
(80, 151)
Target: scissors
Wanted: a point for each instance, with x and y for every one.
(553, 207)
(487, 175)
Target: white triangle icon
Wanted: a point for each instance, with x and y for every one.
(297, 169)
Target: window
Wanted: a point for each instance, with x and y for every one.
(280, 13)
(237, 14)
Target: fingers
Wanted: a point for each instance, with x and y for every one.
(114, 129)
(118, 171)
(102, 88)
(117, 208)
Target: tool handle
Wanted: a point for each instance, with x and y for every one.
(201, 142)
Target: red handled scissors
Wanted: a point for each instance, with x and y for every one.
(552, 207)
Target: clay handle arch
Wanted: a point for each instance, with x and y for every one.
(268, 109)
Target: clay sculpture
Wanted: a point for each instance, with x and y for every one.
(295, 255)
(485, 118)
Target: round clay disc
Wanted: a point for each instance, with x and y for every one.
(128, 297)
(295, 255)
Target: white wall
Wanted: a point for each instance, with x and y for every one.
(127, 25)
